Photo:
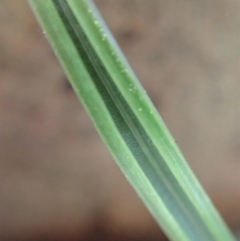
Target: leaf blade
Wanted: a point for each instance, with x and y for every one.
(141, 144)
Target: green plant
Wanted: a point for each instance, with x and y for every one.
(128, 122)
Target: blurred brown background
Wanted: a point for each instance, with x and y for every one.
(57, 179)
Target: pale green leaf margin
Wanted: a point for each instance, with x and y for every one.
(210, 227)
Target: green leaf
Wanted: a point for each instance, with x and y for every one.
(128, 122)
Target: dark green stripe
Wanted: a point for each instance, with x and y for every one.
(108, 92)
